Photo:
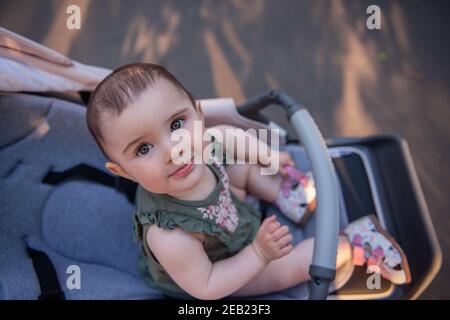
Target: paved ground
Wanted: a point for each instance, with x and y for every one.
(355, 81)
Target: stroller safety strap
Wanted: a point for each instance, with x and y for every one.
(46, 274)
(87, 172)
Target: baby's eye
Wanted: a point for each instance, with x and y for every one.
(143, 149)
(177, 124)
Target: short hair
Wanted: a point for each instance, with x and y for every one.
(119, 89)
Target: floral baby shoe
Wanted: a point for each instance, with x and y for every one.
(373, 245)
(297, 196)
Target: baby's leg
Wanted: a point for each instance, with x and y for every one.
(237, 175)
(291, 269)
(247, 178)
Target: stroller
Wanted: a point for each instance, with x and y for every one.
(62, 213)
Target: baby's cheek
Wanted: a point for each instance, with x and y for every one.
(154, 182)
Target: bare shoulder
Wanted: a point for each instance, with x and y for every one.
(224, 132)
(229, 131)
(174, 246)
(223, 127)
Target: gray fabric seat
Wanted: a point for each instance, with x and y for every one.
(76, 222)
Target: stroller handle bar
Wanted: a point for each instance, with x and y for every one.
(323, 267)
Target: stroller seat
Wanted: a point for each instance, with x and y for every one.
(77, 222)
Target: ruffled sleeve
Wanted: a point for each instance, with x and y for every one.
(168, 220)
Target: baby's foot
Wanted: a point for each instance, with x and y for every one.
(297, 196)
(372, 245)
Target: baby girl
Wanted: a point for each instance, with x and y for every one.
(199, 237)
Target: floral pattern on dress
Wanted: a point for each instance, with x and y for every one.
(224, 213)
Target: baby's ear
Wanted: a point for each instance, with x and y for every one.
(116, 169)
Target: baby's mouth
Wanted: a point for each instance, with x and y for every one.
(184, 170)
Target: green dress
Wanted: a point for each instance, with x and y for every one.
(228, 225)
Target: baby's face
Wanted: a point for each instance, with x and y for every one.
(139, 140)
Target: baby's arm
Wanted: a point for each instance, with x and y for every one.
(183, 257)
(262, 154)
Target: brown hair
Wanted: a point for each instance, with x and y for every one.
(119, 89)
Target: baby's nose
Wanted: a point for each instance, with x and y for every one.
(173, 152)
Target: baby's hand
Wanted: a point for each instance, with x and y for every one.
(273, 240)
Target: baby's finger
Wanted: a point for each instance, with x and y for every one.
(264, 227)
(268, 220)
(280, 232)
(287, 239)
(286, 250)
(273, 226)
